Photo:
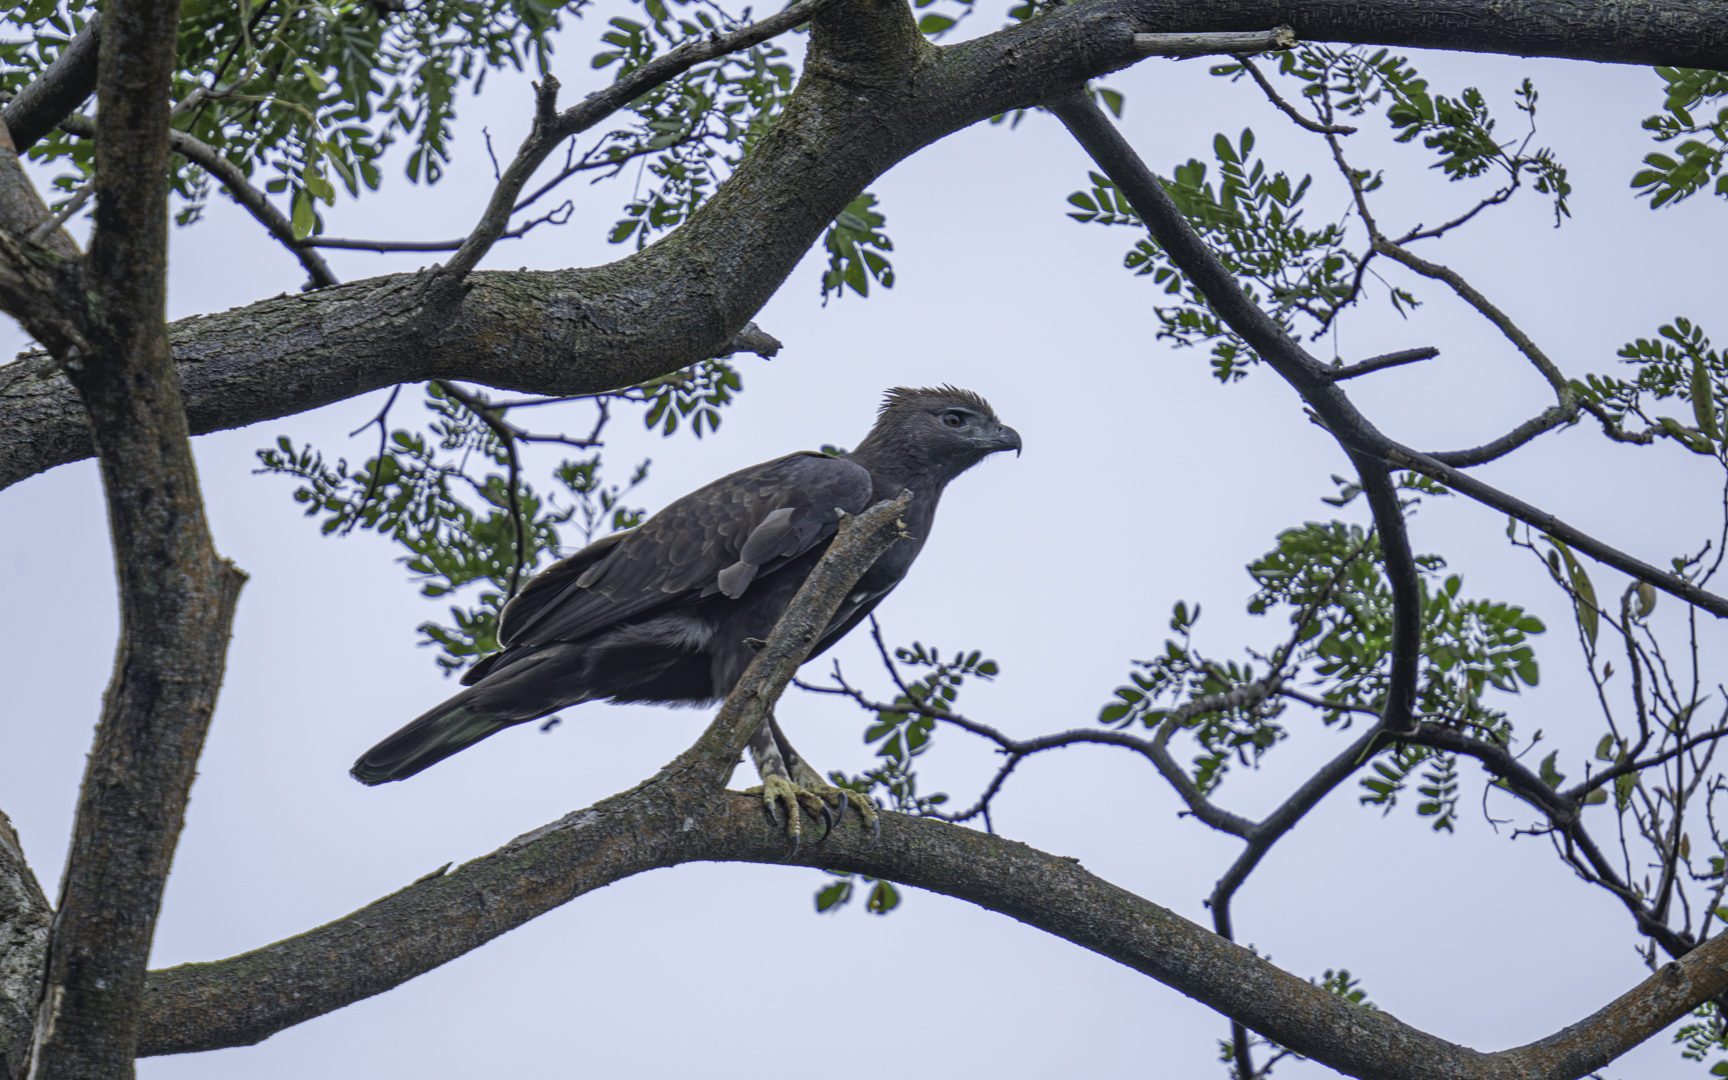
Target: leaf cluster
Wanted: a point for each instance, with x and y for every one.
(900, 735)
(1252, 218)
(1669, 179)
(1330, 579)
(447, 500)
(693, 395)
(855, 244)
(1678, 363)
(699, 125)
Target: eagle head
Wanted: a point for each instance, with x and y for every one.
(945, 428)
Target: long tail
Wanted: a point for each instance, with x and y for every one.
(455, 725)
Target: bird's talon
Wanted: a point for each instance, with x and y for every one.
(834, 817)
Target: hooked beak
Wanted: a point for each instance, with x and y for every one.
(1005, 439)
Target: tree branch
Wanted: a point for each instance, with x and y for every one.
(255, 202)
(58, 91)
(177, 597)
(1289, 110)
(1184, 46)
(1563, 814)
(1380, 363)
(245, 999)
(551, 127)
(1566, 405)
(25, 920)
(1309, 377)
(585, 331)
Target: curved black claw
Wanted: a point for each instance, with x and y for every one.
(832, 817)
(792, 852)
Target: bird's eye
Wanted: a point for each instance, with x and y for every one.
(954, 419)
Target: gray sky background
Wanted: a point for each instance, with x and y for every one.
(1143, 482)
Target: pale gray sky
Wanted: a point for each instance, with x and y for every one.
(1143, 481)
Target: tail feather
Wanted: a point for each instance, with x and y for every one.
(455, 725)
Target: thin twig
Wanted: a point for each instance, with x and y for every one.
(76, 203)
(553, 218)
(1386, 360)
(1288, 109)
(507, 435)
(552, 127)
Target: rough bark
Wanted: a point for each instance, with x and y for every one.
(585, 330)
(59, 90)
(24, 921)
(246, 999)
(176, 596)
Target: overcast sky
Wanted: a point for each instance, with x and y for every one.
(1143, 481)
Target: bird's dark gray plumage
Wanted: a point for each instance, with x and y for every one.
(663, 612)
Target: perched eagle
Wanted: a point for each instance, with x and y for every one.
(666, 612)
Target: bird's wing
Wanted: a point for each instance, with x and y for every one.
(716, 539)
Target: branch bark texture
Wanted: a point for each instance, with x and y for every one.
(856, 113)
(25, 918)
(58, 91)
(176, 597)
(246, 999)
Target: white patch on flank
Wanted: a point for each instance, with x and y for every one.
(678, 630)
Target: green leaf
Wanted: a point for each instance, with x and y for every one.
(1584, 593)
(883, 899)
(934, 24)
(304, 218)
(834, 896)
(1703, 405)
(1646, 599)
(1623, 786)
(1551, 775)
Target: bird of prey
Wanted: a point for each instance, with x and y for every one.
(669, 611)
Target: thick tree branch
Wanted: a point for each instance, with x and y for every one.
(22, 211)
(58, 91)
(245, 999)
(177, 597)
(25, 919)
(583, 331)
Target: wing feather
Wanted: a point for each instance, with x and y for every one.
(773, 512)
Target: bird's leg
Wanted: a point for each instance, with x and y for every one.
(789, 783)
(821, 798)
(777, 788)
